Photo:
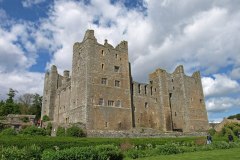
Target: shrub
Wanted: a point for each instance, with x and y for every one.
(9, 131)
(13, 153)
(49, 128)
(212, 131)
(60, 131)
(108, 152)
(170, 148)
(25, 119)
(33, 130)
(221, 145)
(45, 118)
(75, 131)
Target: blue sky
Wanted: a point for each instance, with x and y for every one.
(201, 35)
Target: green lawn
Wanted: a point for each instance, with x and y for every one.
(223, 154)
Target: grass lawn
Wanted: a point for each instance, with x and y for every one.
(223, 154)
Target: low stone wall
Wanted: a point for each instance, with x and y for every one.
(134, 134)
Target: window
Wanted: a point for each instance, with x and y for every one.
(102, 52)
(145, 89)
(118, 103)
(151, 90)
(104, 81)
(101, 102)
(116, 68)
(139, 88)
(102, 66)
(117, 83)
(110, 103)
(116, 56)
(106, 124)
(146, 105)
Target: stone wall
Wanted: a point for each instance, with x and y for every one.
(101, 95)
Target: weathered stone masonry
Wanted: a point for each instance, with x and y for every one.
(101, 95)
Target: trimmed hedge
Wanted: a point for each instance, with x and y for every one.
(102, 152)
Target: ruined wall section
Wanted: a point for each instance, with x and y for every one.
(146, 106)
(197, 115)
(160, 79)
(109, 87)
(177, 97)
(49, 93)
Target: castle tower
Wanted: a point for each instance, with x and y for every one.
(49, 93)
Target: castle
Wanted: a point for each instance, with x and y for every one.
(101, 95)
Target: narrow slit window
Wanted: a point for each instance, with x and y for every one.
(146, 105)
(139, 88)
(102, 66)
(145, 89)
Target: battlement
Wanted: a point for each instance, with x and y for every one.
(101, 95)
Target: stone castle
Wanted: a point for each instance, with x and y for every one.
(101, 95)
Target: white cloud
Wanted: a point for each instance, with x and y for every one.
(219, 85)
(30, 3)
(23, 82)
(222, 104)
(14, 56)
(235, 73)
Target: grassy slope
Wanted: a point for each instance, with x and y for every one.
(224, 154)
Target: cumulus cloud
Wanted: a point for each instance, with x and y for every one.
(235, 73)
(222, 104)
(24, 82)
(219, 85)
(202, 35)
(30, 3)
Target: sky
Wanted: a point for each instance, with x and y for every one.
(201, 35)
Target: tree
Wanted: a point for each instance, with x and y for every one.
(35, 108)
(11, 95)
(9, 107)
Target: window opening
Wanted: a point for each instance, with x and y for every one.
(104, 81)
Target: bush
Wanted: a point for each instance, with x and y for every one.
(75, 131)
(25, 119)
(221, 145)
(170, 148)
(212, 131)
(33, 130)
(9, 131)
(45, 118)
(108, 152)
(13, 153)
(60, 131)
(49, 128)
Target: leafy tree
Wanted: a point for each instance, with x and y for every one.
(45, 118)
(35, 108)
(10, 107)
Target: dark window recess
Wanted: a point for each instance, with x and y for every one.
(101, 102)
(110, 103)
(102, 66)
(146, 105)
(175, 113)
(139, 88)
(103, 52)
(145, 89)
(104, 81)
(151, 90)
(117, 83)
(116, 68)
(118, 103)
(201, 100)
(106, 124)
